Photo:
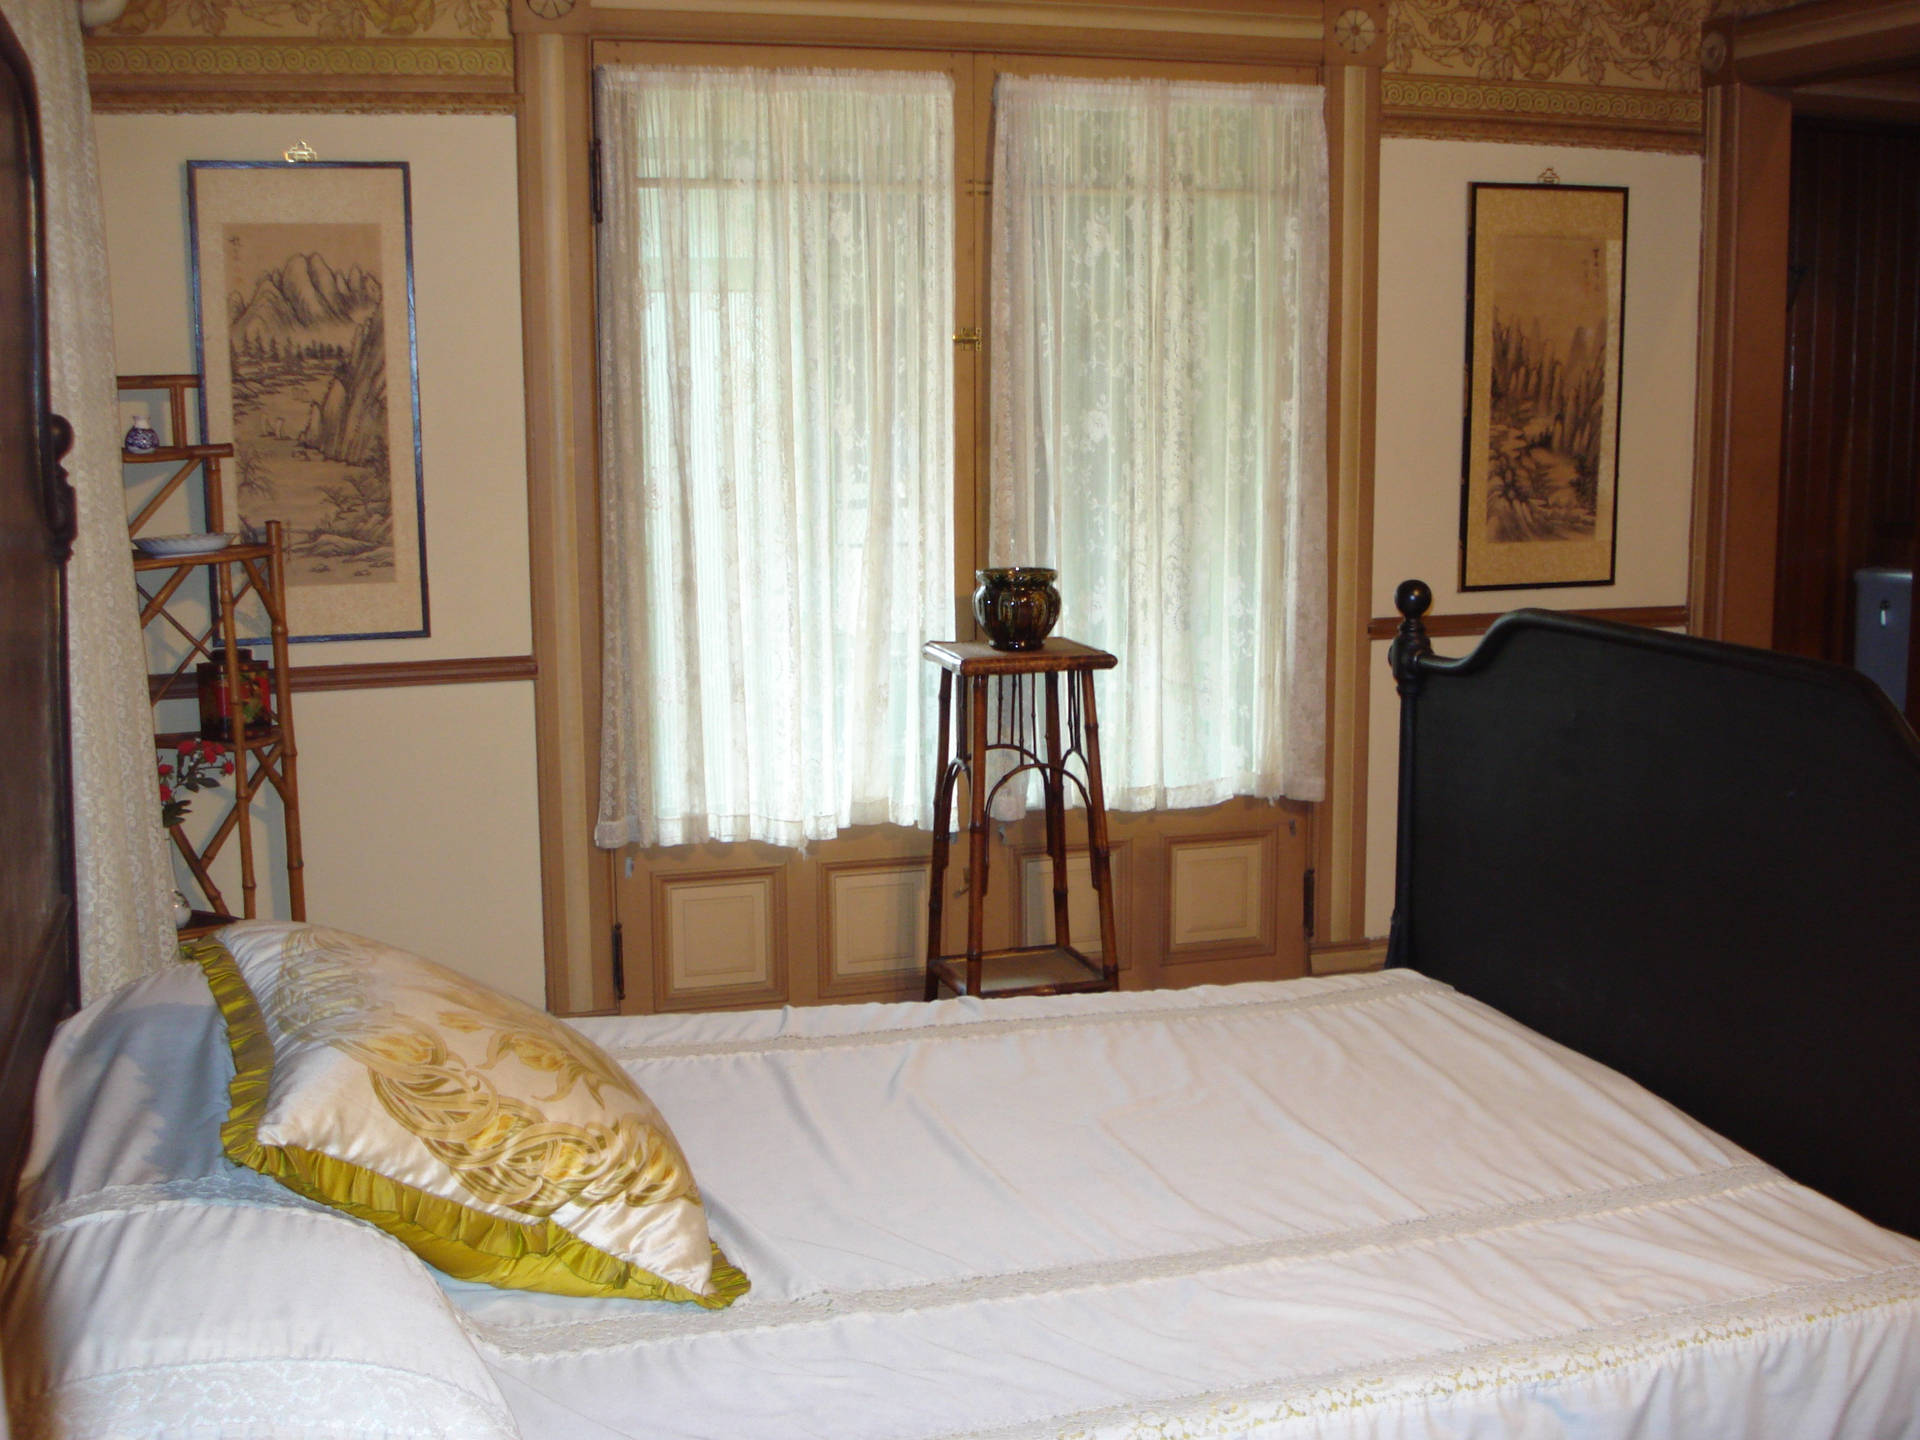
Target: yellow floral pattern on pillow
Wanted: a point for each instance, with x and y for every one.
(496, 1141)
(504, 1149)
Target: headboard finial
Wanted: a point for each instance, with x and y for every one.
(1411, 598)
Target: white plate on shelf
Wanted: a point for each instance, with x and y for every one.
(166, 545)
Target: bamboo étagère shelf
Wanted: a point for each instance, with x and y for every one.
(264, 755)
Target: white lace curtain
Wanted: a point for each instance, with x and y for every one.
(123, 877)
(1158, 412)
(776, 304)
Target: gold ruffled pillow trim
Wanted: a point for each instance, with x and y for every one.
(466, 1243)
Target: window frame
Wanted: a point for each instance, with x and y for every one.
(553, 67)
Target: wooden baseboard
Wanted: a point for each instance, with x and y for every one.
(1347, 956)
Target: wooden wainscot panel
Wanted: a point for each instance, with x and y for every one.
(873, 942)
(1220, 896)
(717, 940)
(1348, 956)
(1035, 917)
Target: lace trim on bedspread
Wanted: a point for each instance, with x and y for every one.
(1363, 990)
(1445, 1374)
(565, 1338)
(289, 1399)
(242, 1188)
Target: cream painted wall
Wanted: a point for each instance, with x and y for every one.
(1423, 268)
(418, 804)
(422, 826)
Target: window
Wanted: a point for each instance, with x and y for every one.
(777, 306)
(776, 310)
(1159, 323)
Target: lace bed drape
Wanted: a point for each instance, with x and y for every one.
(776, 302)
(1158, 415)
(123, 874)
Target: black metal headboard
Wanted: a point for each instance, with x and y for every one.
(1697, 863)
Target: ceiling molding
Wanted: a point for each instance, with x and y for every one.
(1826, 40)
(1251, 31)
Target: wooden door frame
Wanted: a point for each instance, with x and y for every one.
(1758, 72)
(553, 63)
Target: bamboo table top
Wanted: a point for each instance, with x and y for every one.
(977, 657)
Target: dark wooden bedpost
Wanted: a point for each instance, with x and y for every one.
(62, 508)
(1409, 648)
(39, 976)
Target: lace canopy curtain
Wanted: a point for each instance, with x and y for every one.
(1159, 351)
(776, 307)
(121, 870)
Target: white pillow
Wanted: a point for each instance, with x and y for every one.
(155, 1289)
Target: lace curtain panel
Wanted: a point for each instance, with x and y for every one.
(776, 307)
(121, 870)
(1159, 314)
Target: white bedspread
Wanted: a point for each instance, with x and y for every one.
(1358, 1206)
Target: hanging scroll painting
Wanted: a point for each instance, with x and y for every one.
(1546, 293)
(303, 297)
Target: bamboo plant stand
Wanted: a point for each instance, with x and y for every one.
(1009, 705)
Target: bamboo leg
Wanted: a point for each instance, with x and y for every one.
(944, 775)
(215, 501)
(275, 597)
(177, 417)
(1056, 814)
(245, 777)
(977, 837)
(1097, 841)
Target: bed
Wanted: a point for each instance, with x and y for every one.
(1354, 1206)
(1645, 882)
(1367, 1205)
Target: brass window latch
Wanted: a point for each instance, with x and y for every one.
(969, 337)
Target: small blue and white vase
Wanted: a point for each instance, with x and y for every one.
(140, 437)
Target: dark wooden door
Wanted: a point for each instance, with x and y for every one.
(1850, 472)
(36, 529)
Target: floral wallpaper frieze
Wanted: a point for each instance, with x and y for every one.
(1652, 44)
(1519, 61)
(319, 19)
(1613, 72)
(350, 55)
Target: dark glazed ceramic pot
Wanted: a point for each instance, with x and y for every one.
(1016, 606)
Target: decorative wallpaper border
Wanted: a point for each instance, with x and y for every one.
(1621, 43)
(179, 74)
(338, 20)
(299, 102)
(1459, 108)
